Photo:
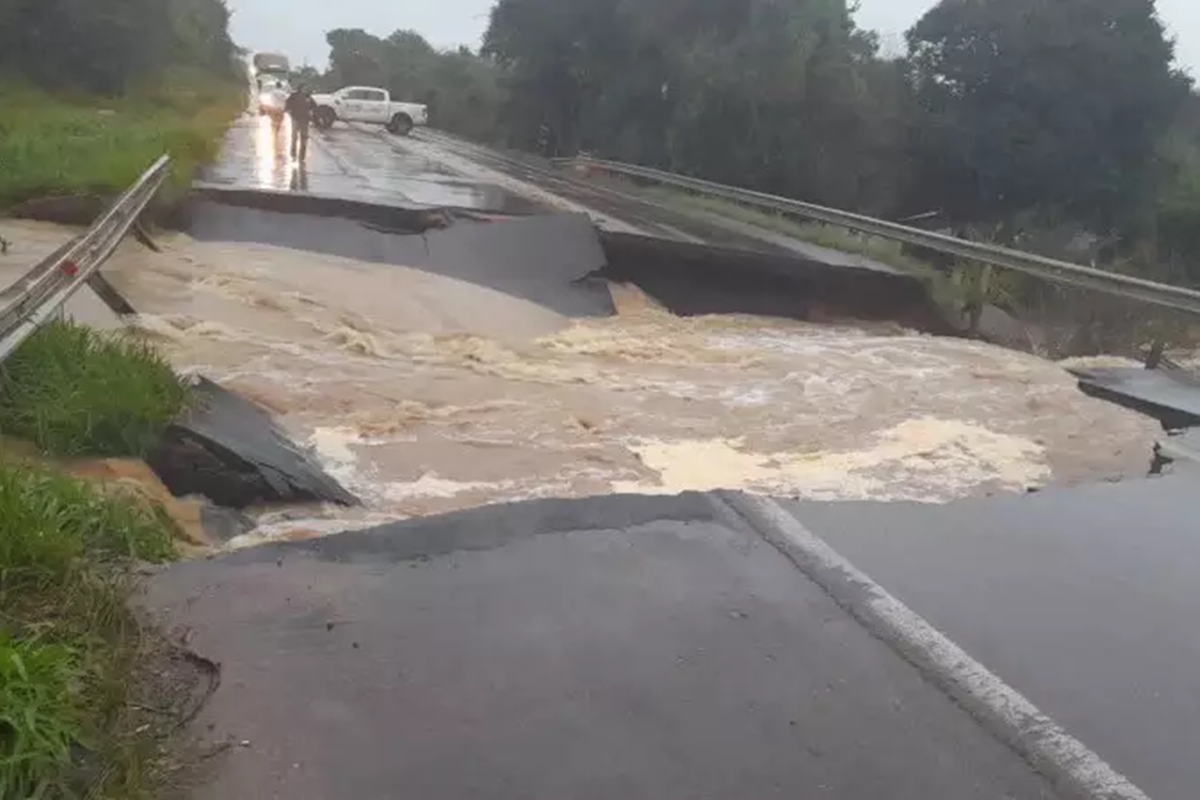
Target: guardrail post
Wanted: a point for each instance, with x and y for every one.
(1158, 348)
(979, 295)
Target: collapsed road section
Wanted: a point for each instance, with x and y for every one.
(490, 362)
(496, 361)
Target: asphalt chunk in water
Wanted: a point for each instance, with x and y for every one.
(230, 451)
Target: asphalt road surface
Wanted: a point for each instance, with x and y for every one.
(1085, 600)
(432, 168)
(623, 647)
(352, 164)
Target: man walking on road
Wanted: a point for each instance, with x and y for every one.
(300, 108)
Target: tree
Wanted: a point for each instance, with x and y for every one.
(782, 95)
(1032, 103)
(106, 46)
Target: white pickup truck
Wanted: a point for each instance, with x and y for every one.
(371, 105)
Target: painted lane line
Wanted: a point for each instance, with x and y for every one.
(1071, 766)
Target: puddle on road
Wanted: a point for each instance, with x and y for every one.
(424, 394)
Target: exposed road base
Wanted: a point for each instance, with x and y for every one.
(692, 279)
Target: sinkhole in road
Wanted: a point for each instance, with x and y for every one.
(426, 390)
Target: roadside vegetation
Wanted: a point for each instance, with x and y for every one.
(91, 94)
(75, 392)
(68, 643)
(70, 649)
(54, 145)
(833, 237)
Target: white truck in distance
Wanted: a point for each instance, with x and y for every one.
(368, 104)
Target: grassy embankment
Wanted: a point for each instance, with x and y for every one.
(62, 144)
(69, 647)
(70, 650)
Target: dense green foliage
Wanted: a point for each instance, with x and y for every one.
(93, 91)
(784, 96)
(1060, 105)
(109, 46)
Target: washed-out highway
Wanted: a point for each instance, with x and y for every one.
(562, 406)
(484, 361)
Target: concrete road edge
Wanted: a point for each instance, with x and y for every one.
(1072, 767)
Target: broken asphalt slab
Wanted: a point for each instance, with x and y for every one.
(1179, 449)
(542, 259)
(622, 646)
(1085, 600)
(694, 279)
(1170, 396)
(230, 451)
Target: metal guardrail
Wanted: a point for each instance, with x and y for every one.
(1061, 272)
(37, 297)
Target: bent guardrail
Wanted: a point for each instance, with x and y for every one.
(1061, 272)
(37, 296)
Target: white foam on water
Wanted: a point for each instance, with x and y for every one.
(924, 460)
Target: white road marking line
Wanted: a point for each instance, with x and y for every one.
(1010, 716)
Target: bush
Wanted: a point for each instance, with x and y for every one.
(76, 392)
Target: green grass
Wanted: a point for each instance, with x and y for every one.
(75, 392)
(831, 236)
(57, 145)
(950, 292)
(68, 644)
(40, 715)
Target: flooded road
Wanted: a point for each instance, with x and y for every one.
(423, 393)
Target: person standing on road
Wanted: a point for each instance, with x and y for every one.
(300, 108)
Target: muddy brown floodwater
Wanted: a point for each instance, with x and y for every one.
(423, 394)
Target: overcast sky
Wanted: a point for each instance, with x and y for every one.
(297, 27)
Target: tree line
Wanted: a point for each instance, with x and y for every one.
(109, 46)
(1006, 113)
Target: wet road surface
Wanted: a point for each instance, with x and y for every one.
(626, 204)
(348, 163)
(631, 647)
(432, 168)
(1085, 600)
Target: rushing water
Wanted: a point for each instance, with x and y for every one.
(423, 394)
